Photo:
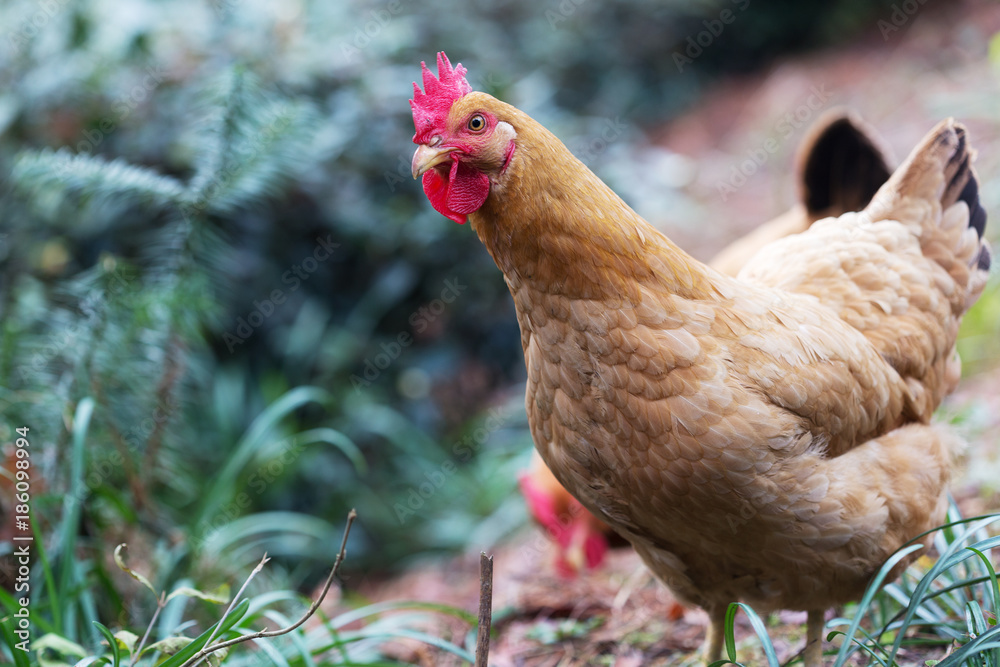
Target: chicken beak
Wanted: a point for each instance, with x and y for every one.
(576, 559)
(576, 555)
(426, 157)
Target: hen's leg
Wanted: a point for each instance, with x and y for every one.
(813, 655)
(712, 650)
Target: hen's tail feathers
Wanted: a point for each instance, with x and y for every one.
(842, 163)
(925, 193)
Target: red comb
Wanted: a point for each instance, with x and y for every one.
(430, 106)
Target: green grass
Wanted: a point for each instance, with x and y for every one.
(946, 608)
(77, 599)
(353, 637)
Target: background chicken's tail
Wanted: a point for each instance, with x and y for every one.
(842, 163)
(936, 191)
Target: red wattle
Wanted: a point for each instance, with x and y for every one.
(463, 192)
(594, 548)
(436, 189)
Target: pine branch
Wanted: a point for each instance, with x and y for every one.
(254, 144)
(40, 173)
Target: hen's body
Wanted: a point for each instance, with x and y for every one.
(765, 438)
(751, 443)
(839, 167)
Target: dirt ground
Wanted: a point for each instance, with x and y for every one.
(902, 82)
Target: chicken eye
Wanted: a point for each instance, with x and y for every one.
(477, 123)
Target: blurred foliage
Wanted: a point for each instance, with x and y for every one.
(209, 234)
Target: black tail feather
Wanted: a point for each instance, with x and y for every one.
(983, 264)
(964, 176)
(977, 214)
(842, 164)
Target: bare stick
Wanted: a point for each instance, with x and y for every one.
(485, 609)
(161, 602)
(239, 594)
(197, 657)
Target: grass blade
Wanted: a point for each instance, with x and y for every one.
(994, 587)
(870, 650)
(186, 653)
(989, 641)
(338, 440)
(10, 640)
(765, 639)
(112, 642)
(405, 633)
(994, 594)
(251, 442)
(72, 505)
(730, 634)
(873, 588)
(947, 559)
(296, 637)
(351, 616)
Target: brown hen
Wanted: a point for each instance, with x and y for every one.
(765, 439)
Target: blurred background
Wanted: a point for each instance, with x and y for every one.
(229, 314)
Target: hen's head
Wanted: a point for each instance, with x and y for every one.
(580, 540)
(465, 143)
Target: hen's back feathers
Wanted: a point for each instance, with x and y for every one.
(903, 271)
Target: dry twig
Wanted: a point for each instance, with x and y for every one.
(200, 655)
(485, 609)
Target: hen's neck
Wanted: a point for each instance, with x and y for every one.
(555, 227)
